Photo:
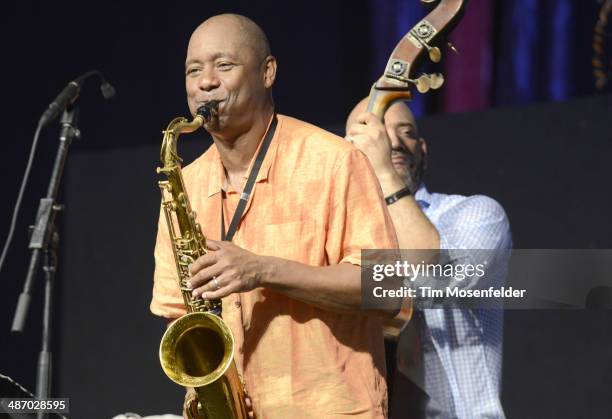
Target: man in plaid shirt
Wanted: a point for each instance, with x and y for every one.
(460, 349)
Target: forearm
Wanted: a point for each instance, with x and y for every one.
(336, 287)
(413, 228)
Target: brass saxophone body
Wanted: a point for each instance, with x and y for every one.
(197, 350)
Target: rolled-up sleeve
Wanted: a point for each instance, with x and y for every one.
(358, 218)
(166, 300)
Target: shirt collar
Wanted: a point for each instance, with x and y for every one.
(422, 196)
(217, 180)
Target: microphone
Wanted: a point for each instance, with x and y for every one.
(70, 94)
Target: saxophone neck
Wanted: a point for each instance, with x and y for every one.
(169, 156)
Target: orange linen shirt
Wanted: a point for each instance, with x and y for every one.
(315, 201)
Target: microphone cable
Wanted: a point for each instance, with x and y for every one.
(108, 91)
(24, 182)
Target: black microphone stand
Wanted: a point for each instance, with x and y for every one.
(44, 240)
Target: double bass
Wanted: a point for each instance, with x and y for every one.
(399, 79)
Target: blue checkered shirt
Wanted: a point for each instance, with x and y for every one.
(461, 349)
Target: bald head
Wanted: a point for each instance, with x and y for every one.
(240, 29)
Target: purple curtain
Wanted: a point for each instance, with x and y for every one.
(469, 73)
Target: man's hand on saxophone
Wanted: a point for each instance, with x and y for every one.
(226, 269)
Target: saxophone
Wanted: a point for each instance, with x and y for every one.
(197, 350)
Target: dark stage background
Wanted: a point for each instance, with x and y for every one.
(543, 163)
(546, 163)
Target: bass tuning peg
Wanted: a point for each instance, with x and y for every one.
(434, 54)
(436, 80)
(423, 83)
(428, 81)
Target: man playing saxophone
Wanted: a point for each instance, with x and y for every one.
(289, 279)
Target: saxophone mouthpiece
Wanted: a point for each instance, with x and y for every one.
(208, 110)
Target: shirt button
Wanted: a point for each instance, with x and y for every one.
(237, 304)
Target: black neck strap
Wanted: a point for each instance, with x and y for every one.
(248, 188)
